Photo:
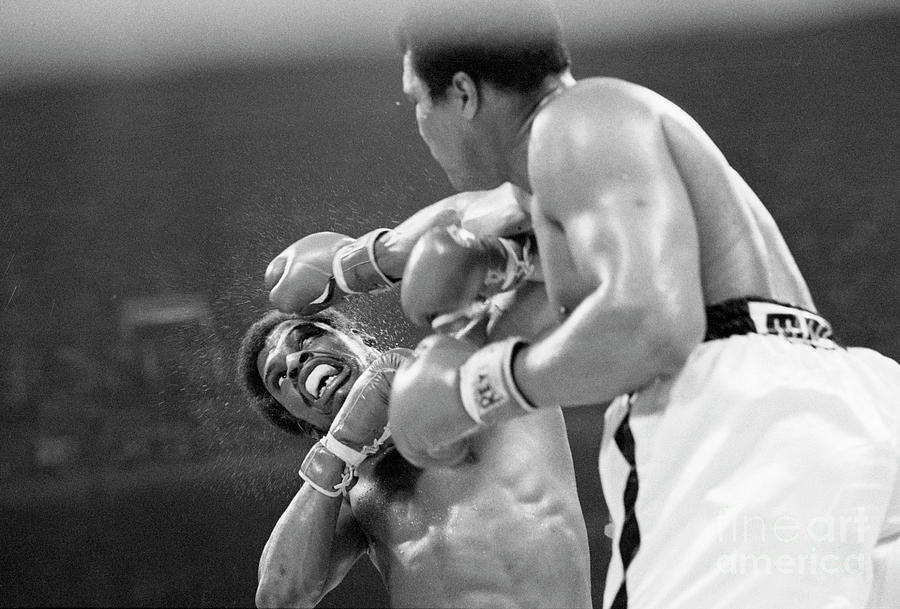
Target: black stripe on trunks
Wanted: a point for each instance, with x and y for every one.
(630, 539)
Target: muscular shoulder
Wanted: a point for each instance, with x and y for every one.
(602, 136)
(596, 113)
(610, 94)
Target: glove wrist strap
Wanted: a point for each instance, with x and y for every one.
(351, 456)
(355, 268)
(488, 390)
(319, 471)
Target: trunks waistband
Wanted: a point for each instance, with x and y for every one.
(763, 316)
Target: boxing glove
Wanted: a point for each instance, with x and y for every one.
(450, 391)
(451, 272)
(320, 269)
(358, 430)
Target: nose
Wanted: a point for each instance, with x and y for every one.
(294, 362)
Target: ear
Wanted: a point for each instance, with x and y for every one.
(465, 92)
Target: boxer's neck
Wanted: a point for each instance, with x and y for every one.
(518, 155)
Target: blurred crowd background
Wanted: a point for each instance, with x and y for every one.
(154, 156)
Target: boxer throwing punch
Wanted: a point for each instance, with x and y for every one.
(322, 269)
(677, 301)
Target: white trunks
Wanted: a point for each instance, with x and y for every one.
(764, 475)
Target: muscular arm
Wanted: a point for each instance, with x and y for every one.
(321, 269)
(619, 248)
(498, 212)
(311, 549)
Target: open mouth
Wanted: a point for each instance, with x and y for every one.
(320, 378)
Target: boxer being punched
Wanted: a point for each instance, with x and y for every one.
(501, 529)
(748, 459)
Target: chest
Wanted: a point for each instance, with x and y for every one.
(384, 492)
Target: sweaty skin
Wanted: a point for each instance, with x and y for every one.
(641, 222)
(671, 166)
(502, 529)
(499, 211)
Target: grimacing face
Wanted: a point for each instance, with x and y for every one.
(309, 368)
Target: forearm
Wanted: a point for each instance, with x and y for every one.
(498, 212)
(595, 355)
(296, 563)
(391, 253)
(392, 248)
(605, 349)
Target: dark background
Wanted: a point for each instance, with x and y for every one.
(138, 215)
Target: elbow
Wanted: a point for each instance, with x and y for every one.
(673, 351)
(672, 335)
(281, 594)
(267, 597)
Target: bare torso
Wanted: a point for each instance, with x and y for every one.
(741, 252)
(504, 529)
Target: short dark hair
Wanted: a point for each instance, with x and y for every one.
(248, 375)
(510, 45)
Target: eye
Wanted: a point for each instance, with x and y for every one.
(309, 338)
(301, 336)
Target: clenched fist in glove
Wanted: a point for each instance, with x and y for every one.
(318, 270)
(448, 392)
(452, 271)
(357, 431)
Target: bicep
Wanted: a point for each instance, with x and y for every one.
(621, 260)
(617, 202)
